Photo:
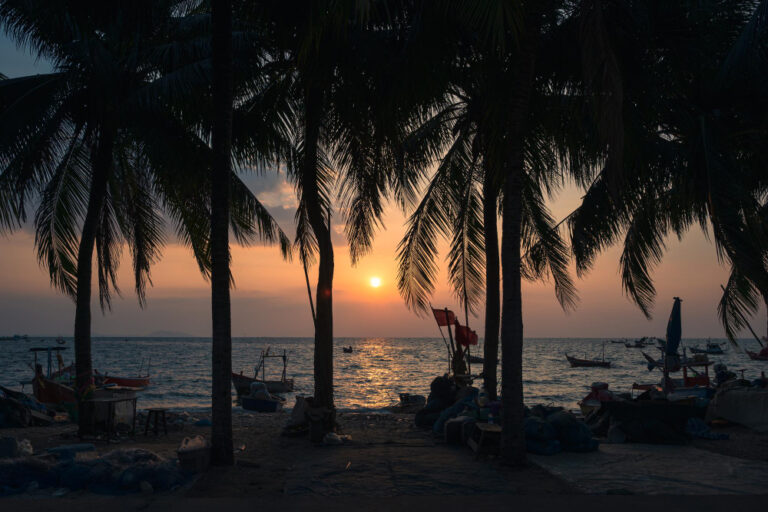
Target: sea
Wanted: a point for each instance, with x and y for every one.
(368, 379)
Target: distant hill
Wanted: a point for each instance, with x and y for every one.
(169, 334)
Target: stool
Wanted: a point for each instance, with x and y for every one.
(485, 429)
(158, 414)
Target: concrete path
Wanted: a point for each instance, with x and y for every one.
(654, 469)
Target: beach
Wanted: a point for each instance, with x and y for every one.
(386, 456)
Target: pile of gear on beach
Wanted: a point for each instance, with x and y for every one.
(465, 415)
(660, 417)
(76, 467)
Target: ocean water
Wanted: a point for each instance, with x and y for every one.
(370, 378)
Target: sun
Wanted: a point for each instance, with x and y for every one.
(375, 282)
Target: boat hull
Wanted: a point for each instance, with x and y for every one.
(707, 351)
(260, 405)
(756, 357)
(128, 382)
(586, 363)
(242, 384)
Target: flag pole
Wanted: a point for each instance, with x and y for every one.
(443, 336)
(450, 336)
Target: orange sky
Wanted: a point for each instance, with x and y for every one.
(270, 298)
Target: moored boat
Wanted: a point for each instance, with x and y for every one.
(259, 399)
(242, 383)
(585, 363)
(128, 382)
(758, 356)
(712, 348)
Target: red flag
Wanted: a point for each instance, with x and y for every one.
(465, 336)
(444, 317)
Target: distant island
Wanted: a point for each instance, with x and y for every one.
(169, 334)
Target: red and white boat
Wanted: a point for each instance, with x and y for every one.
(141, 381)
(758, 356)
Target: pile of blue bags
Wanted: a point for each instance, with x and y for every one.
(117, 472)
(550, 430)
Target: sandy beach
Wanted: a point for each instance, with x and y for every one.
(388, 457)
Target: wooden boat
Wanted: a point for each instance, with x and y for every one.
(128, 382)
(347, 350)
(476, 359)
(52, 393)
(757, 356)
(712, 348)
(586, 363)
(639, 343)
(243, 383)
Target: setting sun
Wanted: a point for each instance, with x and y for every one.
(375, 282)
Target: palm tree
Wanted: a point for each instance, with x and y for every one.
(697, 156)
(461, 203)
(331, 109)
(221, 393)
(528, 48)
(64, 130)
(103, 155)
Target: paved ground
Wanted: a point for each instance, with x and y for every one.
(553, 503)
(654, 469)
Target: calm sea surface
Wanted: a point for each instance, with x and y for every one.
(369, 378)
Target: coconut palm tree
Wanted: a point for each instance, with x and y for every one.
(103, 157)
(698, 155)
(221, 347)
(332, 86)
(542, 55)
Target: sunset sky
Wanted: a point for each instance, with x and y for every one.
(270, 297)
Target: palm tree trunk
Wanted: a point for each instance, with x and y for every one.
(324, 294)
(97, 196)
(492, 284)
(513, 436)
(221, 394)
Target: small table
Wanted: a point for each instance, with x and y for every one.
(110, 419)
(486, 430)
(158, 414)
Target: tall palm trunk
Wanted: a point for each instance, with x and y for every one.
(492, 284)
(97, 196)
(513, 436)
(324, 298)
(221, 395)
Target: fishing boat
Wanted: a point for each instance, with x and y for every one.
(60, 340)
(260, 405)
(128, 382)
(639, 343)
(243, 383)
(758, 356)
(347, 350)
(712, 348)
(584, 363)
(139, 382)
(259, 400)
(55, 387)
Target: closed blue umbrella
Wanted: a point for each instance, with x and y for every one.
(674, 329)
